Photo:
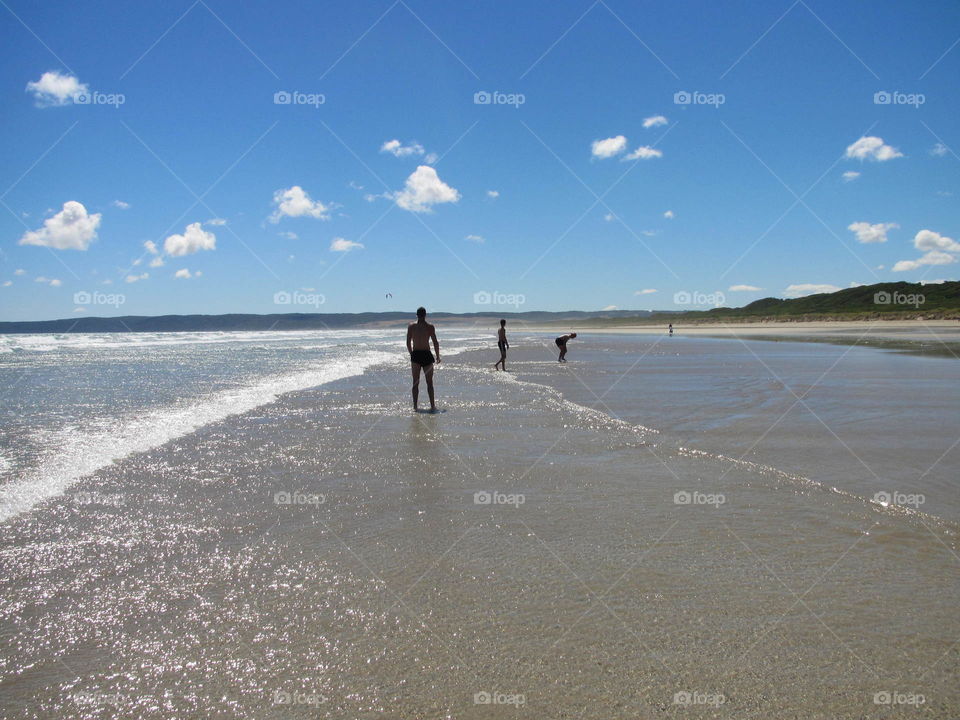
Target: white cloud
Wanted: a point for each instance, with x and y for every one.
(939, 150)
(867, 233)
(423, 189)
(744, 288)
(295, 202)
(194, 239)
(183, 274)
(217, 222)
(936, 249)
(19, 271)
(79, 309)
(69, 229)
(121, 204)
(476, 238)
(854, 283)
(344, 245)
(609, 217)
(644, 152)
(795, 291)
(56, 282)
(493, 194)
(157, 262)
(7, 283)
(431, 158)
(609, 147)
(398, 149)
(151, 247)
(53, 89)
(136, 278)
(289, 235)
(850, 175)
(930, 240)
(669, 215)
(645, 291)
(654, 121)
(872, 148)
(610, 307)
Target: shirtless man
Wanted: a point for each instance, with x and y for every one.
(419, 335)
(503, 345)
(562, 344)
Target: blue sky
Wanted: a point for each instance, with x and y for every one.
(501, 201)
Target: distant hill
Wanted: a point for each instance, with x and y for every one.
(899, 300)
(296, 321)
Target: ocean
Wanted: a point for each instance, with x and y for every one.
(201, 525)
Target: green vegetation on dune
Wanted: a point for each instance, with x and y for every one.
(882, 301)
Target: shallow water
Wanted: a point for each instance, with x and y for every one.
(520, 544)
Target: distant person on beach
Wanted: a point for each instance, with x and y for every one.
(503, 345)
(562, 344)
(670, 328)
(419, 335)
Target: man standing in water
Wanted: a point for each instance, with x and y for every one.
(419, 335)
(562, 344)
(503, 345)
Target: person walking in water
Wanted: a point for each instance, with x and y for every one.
(419, 335)
(562, 344)
(503, 345)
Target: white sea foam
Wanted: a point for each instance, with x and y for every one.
(75, 454)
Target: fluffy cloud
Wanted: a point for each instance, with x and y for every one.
(609, 147)
(644, 153)
(654, 121)
(7, 283)
(295, 202)
(151, 247)
(479, 239)
(669, 215)
(745, 288)
(493, 194)
(54, 89)
(850, 175)
(939, 150)
(121, 204)
(157, 262)
(53, 282)
(194, 239)
(937, 250)
(423, 189)
(867, 233)
(609, 307)
(795, 291)
(217, 222)
(289, 235)
(136, 278)
(19, 271)
(69, 229)
(872, 148)
(645, 291)
(398, 149)
(344, 245)
(185, 274)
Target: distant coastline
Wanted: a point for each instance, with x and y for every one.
(901, 302)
